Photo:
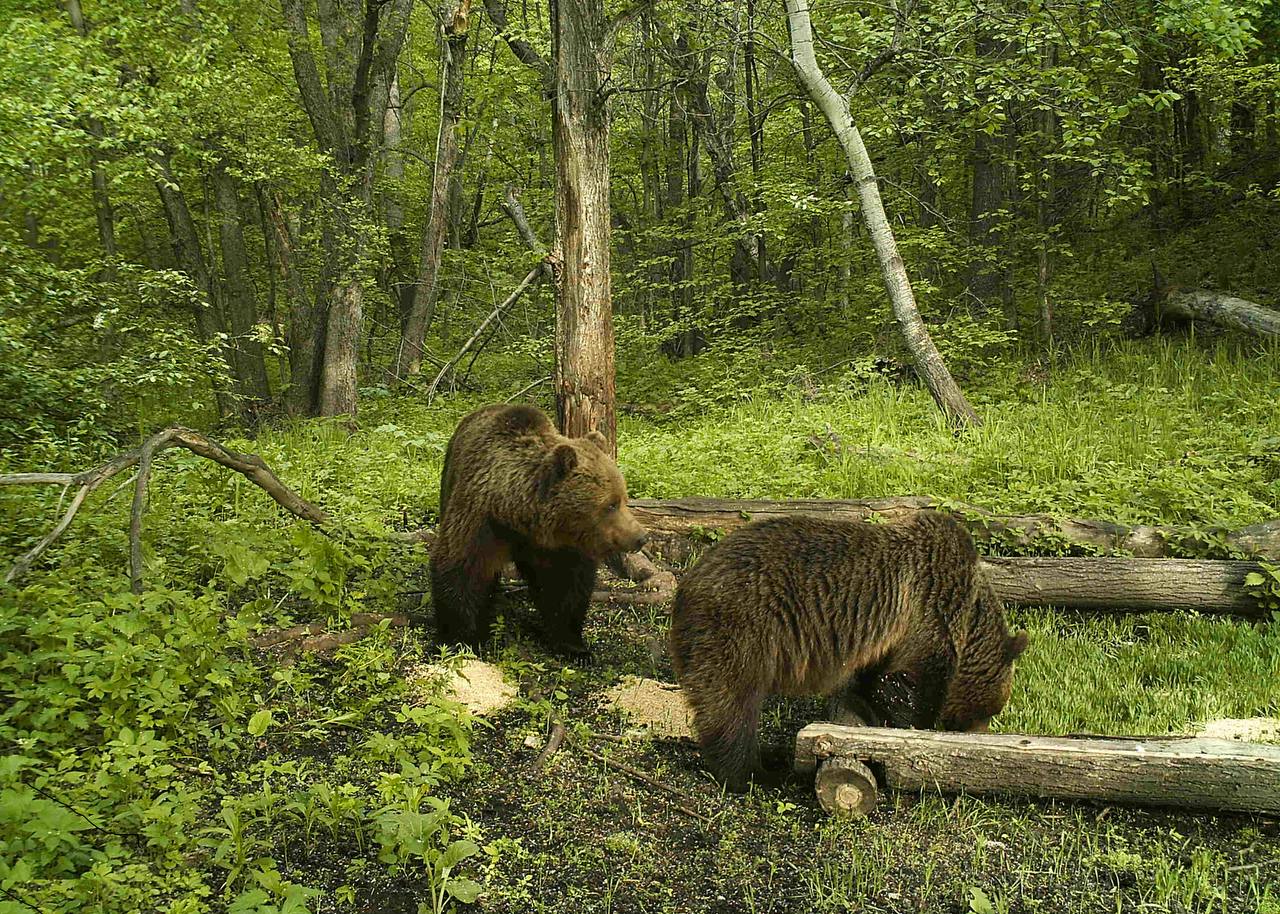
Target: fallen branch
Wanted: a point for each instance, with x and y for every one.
(646, 779)
(313, 638)
(251, 466)
(657, 585)
(553, 745)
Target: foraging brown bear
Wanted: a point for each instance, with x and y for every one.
(514, 489)
(871, 613)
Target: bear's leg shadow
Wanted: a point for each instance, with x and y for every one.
(462, 590)
(560, 585)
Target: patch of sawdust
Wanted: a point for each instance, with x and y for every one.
(478, 686)
(1249, 729)
(658, 706)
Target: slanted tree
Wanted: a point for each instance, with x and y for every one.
(835, 108)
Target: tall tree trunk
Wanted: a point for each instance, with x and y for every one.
(453, 50)
(755, 132)
(836, 109)
(846, 258)
(986, 273)
(338, 371)
(362, 43)
(717, 137)
(189, 255)
(584, 371)
(301, 400)
(103, 211)
(1044, 216)
(240, 300)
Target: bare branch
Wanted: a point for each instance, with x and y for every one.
(249, 465)
(510, 300)
(524, 51)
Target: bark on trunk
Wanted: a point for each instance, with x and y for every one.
(362, 43)
(673, 524)
(584, 377)
(341, 349)
(717, 137)
(240, 300)
(927, 359)
(1189, 773)
(300, 400)
(986, 275)
(453, 49)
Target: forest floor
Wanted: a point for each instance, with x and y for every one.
(219, 777)
(579, 834)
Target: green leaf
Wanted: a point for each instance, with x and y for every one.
(260, 721)
(458, 851)
(1254, 579)
(465, 890)
(979, 903)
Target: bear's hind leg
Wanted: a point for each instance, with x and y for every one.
(728, 732)
(462, 590)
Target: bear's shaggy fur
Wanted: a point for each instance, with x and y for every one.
(512, 489)
(895, 616)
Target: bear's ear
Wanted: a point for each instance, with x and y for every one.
(1015, 646)
(598, 440)
(563, 461)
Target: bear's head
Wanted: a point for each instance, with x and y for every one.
(980, 686)
(584, 501)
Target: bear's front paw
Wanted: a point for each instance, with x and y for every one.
(576, 650)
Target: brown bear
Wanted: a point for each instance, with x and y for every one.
(512, 489)
(896, 616)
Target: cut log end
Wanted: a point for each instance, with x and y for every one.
(846, 787)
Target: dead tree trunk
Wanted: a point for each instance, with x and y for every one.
(1126, 585)
(453, 50)
(1187, 773)
(584, 371)
(674, 525)
(1223, 310)
(927, 359)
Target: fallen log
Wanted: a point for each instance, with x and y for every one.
(1126, 585)
(1191, 773)
(1097, 584)
(674, 525)
(1220, 309)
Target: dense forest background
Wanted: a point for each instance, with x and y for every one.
(244, 208)
(323, 232)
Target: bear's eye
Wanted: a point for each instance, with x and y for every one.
(613, 506)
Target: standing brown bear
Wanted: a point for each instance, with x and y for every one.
(802, 606)
(513, 489)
